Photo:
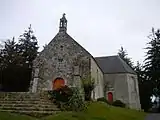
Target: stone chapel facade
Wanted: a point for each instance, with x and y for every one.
(63, 59)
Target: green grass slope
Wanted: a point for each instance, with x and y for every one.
(100, 111)
(11, 116)
(96, 111)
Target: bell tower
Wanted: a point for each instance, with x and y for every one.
(63, 24)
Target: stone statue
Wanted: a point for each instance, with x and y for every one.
(63, 23)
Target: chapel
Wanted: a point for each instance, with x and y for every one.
(65, 62)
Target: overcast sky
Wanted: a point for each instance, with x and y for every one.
(100, 26)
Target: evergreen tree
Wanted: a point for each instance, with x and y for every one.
(152, 61)
(16, 62)
(1, 57)
(139, 71)
(28, 47)
(10, 54)
(145, 89)
(123, 55)
(9, 60)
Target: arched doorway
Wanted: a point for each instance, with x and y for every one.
(57, 83)
(110, 97)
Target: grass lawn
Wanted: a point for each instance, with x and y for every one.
(96, 111)
(10, 116)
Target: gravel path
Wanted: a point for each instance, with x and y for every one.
(153, 116)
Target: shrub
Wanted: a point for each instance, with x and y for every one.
(76, 102)
(63, 94)
(119, 103)
(88, 84)
(60, 95)
(68, 99)
(103, 100)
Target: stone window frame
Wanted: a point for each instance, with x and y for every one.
(134, 82)
(97, 78)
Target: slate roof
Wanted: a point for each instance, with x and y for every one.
(113, 64)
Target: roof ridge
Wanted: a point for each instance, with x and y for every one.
(122, 63)
(106, 56)
(124, 66)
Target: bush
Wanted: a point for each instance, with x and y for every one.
(88, 84)
(60, 95)
(76, 102)
(63, 93)
(103, 100)
(119, 103)
(67, 99)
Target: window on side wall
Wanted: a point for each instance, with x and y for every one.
(134, 83)
(97, 77)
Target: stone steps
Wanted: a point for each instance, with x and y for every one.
(27, 97)
(19, 95)
(20, 98)
(36, 100)
(27, 103)
(12, 99)
(29, 108)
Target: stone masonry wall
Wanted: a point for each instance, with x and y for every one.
(120, 86)
(64, 58)
(133, 91)
(97, 75)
